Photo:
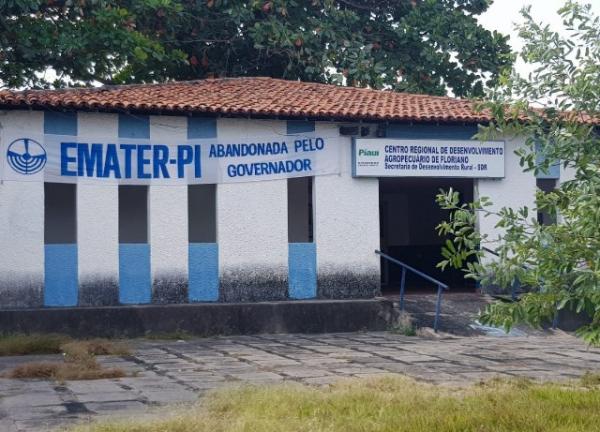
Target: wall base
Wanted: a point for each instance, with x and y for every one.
(203, 319)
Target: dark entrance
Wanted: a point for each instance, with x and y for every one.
(408, 217)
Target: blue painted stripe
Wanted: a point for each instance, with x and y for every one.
(353, 157)
(302, 267)
(203, 272)
(300, 126)
(134, 126)
(202, 127)
(552, 173)
(431, 131)
(60, 123)
(135, 286)
(61, 286)
(553, 170)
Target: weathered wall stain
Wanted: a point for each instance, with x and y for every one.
(346, 284)
(21, 291)
(99, 291)
(250, 284)
(170, 288)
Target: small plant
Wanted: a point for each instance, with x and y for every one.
(404, 325)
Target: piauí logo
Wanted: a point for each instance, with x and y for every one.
(26, 156)
(365, 152)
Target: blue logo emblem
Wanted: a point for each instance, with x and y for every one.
(26, 156)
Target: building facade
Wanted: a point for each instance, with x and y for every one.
(95, 238)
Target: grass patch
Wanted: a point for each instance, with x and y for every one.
(65, 371)
(24, 344)
(387, 404)
(79, 362)
(590, 379)
(93, 347)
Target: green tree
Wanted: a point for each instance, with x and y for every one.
(557, 107)
(408, 45)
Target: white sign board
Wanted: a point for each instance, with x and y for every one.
(81, 159)
(384, 157)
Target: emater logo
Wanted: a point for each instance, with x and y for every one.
(26, 156)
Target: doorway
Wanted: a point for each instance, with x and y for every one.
(408, 217)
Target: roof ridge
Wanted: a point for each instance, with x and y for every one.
(368, 89)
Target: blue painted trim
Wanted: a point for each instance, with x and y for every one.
(135, 285)
(353, 157)
(201, 127)
(134, 126)
(431, 131)
(60, 123)
(300, 126)
(61, 284)
(203, 272)
(302, 268)
(553, 170)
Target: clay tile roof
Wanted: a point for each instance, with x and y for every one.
(254, 97)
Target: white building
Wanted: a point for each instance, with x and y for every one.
(232, 190)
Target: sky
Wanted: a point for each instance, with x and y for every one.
(502, 15)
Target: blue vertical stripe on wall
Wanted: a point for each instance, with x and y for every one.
(203, 272)
(60, 123)
(134, 126)
(202, 127)
(61, 280)
(425, 131)
(300, 126)
(302, 267)
(203, 258)
(553, 170)
(135, 286)
(60, 275)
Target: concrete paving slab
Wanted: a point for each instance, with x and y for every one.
(171, 372)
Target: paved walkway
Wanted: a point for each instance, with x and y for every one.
(178, 371)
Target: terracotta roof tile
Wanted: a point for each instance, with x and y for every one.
(254, 96)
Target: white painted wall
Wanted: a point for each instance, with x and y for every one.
(168, 214)
(21, 220)
(346, 217)
(252, 217)
(566, 174)
(98, 217)
(517, 189)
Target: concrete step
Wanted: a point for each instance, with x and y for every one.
(204, 319)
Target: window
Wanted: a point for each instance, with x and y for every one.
(60, 213)
(546, 186)
(300, 210)
(202, 213)
(133, 214)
